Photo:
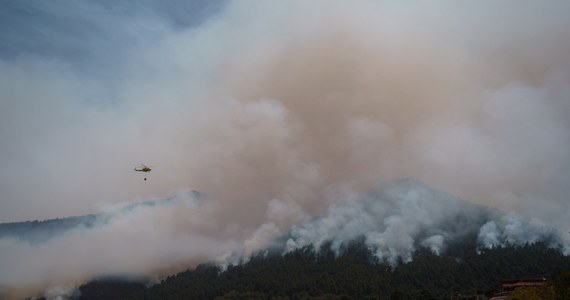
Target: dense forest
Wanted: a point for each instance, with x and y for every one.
(355, 273)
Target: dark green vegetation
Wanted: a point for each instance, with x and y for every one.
(356, 273)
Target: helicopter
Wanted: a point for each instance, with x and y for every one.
(144, 169)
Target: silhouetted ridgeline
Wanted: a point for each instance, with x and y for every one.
(356, 273)
(41, 231)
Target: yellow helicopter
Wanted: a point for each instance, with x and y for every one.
(144, 169)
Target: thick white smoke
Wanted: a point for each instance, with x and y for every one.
(127, 241)
(398, 218)
(280, 112)
(514, 230)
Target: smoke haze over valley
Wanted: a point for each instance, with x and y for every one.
(299, 122)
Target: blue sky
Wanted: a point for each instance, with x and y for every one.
(93, 38)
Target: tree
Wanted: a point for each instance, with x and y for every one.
(562, 285)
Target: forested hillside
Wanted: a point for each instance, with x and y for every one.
(306, 273)
(39, 231)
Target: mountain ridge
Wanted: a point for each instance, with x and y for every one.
(39, 231)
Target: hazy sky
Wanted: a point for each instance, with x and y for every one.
(278, 109)
(262, 100)
(76, 113)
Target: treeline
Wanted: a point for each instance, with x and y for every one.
(36, 231)
(41, 231)
(356, 273)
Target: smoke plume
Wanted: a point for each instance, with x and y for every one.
(288, 116)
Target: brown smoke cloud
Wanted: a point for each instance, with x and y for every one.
(350, 96)
(278, 110)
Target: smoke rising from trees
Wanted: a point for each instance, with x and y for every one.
(284, 115)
